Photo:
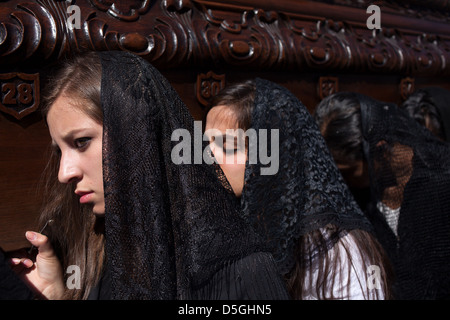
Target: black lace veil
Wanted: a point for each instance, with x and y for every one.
(410, 207)
(172, 231)
(308, 191)
(441, 99)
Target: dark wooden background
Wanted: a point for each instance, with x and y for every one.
(314, 48)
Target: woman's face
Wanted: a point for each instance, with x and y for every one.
(78, 138)
(355, 174)
(231, 158)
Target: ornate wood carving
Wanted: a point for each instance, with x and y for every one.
(124, 10)
(290, 35)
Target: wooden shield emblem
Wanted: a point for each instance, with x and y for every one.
(209, 85)
(406, 87)
(328, 86)
(19, 93)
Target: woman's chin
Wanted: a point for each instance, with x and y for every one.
(99, 211)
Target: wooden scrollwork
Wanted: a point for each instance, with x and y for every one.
(199, 33)
(124, 10)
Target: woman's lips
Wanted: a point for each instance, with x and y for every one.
(85, 197)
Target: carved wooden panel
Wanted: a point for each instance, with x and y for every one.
(299, 35)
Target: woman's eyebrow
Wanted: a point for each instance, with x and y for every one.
(67, 136)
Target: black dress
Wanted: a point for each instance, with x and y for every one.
(11, 287)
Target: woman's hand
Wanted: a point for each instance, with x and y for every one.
(45, 275)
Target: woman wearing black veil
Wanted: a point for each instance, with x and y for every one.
(159, 230)
(320, 239)
(430, 106)
(409, 175)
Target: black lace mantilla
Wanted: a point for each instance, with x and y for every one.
(308, 192)
(172, 231)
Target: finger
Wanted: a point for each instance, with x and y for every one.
(14, 261)
(14, 264)
(25, 261)
(20, 265)
(41, 242)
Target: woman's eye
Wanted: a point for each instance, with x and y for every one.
(81, 143)
(230, 149)
(233, 150)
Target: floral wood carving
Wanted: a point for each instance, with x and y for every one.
(129, 10)
(214, 34)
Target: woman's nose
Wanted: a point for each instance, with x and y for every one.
(69, 171)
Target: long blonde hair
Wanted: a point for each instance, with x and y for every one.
(76, 234)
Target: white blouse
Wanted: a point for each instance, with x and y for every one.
(364, 284)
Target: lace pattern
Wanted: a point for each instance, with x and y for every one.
(169, 228)
(308, 192)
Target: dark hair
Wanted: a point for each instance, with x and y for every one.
(239, 97)
(421, 107)
(339, 120)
